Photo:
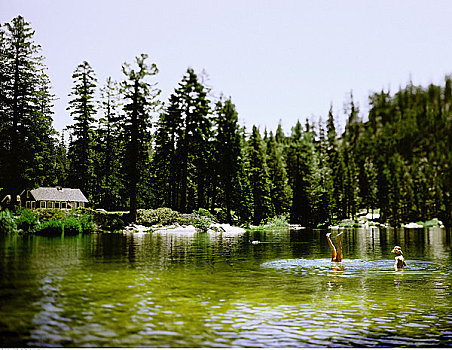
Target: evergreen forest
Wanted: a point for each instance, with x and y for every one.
(128, 149)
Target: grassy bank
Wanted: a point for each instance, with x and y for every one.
(56, 222)
(46, 222)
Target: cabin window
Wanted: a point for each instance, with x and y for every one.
(33, 205)
(28, 194)
(42, 204)
(57, 205)
(28, 204)
(63, 205)
(82, 205)
(49, 205)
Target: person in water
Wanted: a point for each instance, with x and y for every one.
(336, 255)
(399, 259)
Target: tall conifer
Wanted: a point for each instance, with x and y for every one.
(109, 148)
(26, 134)
(259, 178)
(228, 155)
(141, 101)
(81, 148)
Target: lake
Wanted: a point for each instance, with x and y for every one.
(220, 290)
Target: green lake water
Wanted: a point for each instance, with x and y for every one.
(219, 290)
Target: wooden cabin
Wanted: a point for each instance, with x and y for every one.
(51, 198)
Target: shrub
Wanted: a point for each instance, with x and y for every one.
(7, 223)
(110, 221)
(202, 223)
(85, 221)
(206, 213)
(163, 216)
(88, 225)
(71, 226)
(27, 221)
(50, 214)
(432, 223)
(348, 223)
(277, 222)
(50, 228)
(102, 219)
(113, 221)
(186, 219)
(222, 216)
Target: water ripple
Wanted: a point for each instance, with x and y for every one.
(351, 267)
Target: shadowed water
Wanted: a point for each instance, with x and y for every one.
(201, 290)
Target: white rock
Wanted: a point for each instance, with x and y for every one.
(370, 216)
(136, 229)
(296, 227)
(231, 229)
(179, 230)
(412, 225)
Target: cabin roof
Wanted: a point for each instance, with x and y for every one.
(58, 194)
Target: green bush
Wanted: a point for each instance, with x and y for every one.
(7, 222)
(186, 219)
(222, 216)
(85, 221)
(50, 214)
(50, 228)
(163, 216)
(27, 222)
(277, 222)
(348, 223)
(202, 223)
(431, 223)
(72, 226)
(206, 213)
(88, 225)
(114, 223)
(102, 219)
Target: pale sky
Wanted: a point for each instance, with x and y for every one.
(278, 60)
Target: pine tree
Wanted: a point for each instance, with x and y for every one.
(109, 148)
(183, 144)
(81, 148)
(334, 180)
(61, 160)
(140, 103)
(244, 200)
(279, 184)
(228, 155)
(349, 154)
(259, 178)
(320, 191)
(42, 139)
(166, 160)
(279, 135)
(299, 161)
(26, 133)
(193, 145)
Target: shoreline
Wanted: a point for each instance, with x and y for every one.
(215, 228)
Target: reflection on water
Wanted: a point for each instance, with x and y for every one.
(216, 290)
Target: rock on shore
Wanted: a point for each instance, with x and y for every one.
(189, 229)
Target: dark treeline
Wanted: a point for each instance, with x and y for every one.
(127, 149)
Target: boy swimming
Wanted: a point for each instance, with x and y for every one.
(399, 259)
(336, 255)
